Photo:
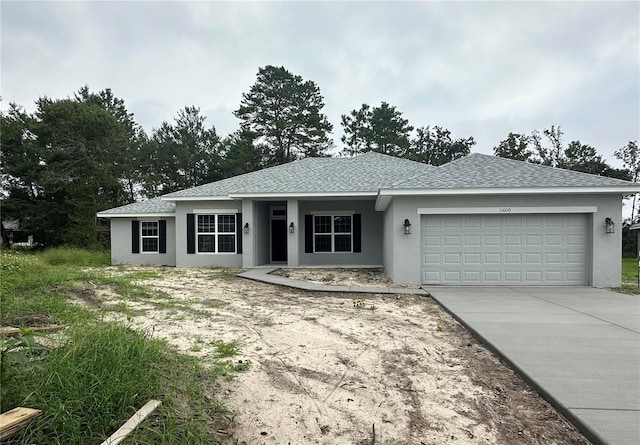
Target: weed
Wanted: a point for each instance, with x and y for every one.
(310, 318)
(439, 327)
(224, 274)
(328, 278)
(226, 349)
(17, 359)
(226, 368)
(267, 323)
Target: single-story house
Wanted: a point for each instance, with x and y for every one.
(479, 220)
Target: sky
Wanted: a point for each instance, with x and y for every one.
(480, 69)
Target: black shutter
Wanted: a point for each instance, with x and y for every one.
(135, 236)
(308, 233)
(162, 236)
(238, 232)
(357, 233)
(191, 233)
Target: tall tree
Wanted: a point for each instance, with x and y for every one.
(59, 168)
(381, 129)
(630, 157)
(516, 146)
(241, 154)
(285, 113)
(129, 164)
(435, 146)
(186, 154)
(547, 148)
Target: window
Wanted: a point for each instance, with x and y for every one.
(216, 233)
(332, 233)
(149, 236)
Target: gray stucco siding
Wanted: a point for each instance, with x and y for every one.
(603, 251)
(184, 259)
(371, 230)
(121, 244)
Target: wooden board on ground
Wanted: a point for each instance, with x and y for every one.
(16, 419)
(132, 423)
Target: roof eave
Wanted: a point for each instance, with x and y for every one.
(635, 188)
(304, 195)
(195, 198)
(135, 215)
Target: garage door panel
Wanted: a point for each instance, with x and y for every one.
(504, 249)
(513, 240)
(471, 258)
(452, 240)
(472, 240)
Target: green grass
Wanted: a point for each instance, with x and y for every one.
(629, 277)
(629, 270)
(88, 387)
(226, 349)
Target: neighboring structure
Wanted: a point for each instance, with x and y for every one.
(14, 235)
(480, 220)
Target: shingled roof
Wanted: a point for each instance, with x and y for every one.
(366, 173)
(155, 206)
(373, 173)
(485, 171)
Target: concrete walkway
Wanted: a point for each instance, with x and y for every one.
(579, 346)
(264, 275)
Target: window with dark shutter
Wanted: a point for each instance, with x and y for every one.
(191, 233)
(162, 236)
(135, 236)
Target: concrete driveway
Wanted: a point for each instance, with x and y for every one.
(579, 346)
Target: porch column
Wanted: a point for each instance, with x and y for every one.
(293, 240)
(248, 239)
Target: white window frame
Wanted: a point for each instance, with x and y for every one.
(333, 232)
(216, 234)
(156, 236)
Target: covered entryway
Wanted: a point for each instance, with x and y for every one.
(499, 249)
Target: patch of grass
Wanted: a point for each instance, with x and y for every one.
(227, 368)
(85, 397)
(71, 256)
(629, 277)
(226, 349)
(224, 274)
(89, 386)
(629, 270)
(267, 323)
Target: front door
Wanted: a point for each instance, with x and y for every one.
(278, 240)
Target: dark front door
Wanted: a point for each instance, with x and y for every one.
(278, 240)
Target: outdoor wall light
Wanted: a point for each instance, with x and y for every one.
(246, 227)
(292, 228)
(609, 225)
(407, 227)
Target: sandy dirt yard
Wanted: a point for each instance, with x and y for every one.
(341, 368)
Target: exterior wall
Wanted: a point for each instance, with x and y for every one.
(262, 234)
(371, 254)
(248, 239)
(388, 237)
(293, 245)
(121, 244)
(184, 259)
(603, 256)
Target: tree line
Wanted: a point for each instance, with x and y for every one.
(73, 157)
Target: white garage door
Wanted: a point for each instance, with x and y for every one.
(504, 249)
